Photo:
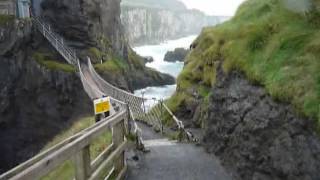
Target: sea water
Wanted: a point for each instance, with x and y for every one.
(173, 68)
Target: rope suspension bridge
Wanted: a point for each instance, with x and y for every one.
(128, 107)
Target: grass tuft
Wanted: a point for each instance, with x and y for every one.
(5, 19)
(45, 60)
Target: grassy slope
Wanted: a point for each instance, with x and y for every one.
(4, 19)
(66, 170)
(272, 45)
(117, 65)
(46, 61)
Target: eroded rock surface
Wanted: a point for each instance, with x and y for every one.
(258, 138)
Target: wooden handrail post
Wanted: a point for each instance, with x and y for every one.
(161, 115)
(82, 164)
(118, 139)
(128, 120)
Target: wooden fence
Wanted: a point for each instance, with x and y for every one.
(76, 148)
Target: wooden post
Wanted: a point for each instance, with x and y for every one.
(82, 164)
(118, 139)
(161, 115)
(144, 107)
(128, 120)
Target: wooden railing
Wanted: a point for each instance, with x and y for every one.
(76, 148)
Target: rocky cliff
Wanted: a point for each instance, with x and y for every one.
(36, 102)
(41, 95)
(257, 137)
(148, 25)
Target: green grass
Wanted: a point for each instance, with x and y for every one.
(66, 170)
(5, 19)
(113, 65)
(135, 60)
(45, 61)
(95, 54)
(271, 45)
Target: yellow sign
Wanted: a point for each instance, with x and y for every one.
(101, 105)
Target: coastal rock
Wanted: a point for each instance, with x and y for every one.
(148, 59)
(86, 23)
(36, 103)
(177, 55)
(257, 137)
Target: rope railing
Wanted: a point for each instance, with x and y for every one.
(55, 40)
(94, 92)
(154, 116)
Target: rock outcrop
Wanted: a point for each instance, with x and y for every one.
(176, 55)
(148, 59)
(257, 137)
(36, 103)
(86, 24)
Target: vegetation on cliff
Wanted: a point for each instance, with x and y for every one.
(46, 61)
(271, 43)
(4, 19)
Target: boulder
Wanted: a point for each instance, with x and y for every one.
(178, 54)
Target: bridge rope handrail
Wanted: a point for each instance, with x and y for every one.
(57, 41)
(103, 87)
(137, 131)
(92, 69)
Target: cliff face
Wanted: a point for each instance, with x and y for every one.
(148, 25)
(86, 24)
(257, 137)
(36, 102)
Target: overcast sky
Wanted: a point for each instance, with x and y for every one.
(215, 7)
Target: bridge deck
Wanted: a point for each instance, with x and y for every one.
(169, 160)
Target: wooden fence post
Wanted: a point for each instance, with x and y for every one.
(128, 121)
(161, 115)
(118, 139)
(82, 164)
